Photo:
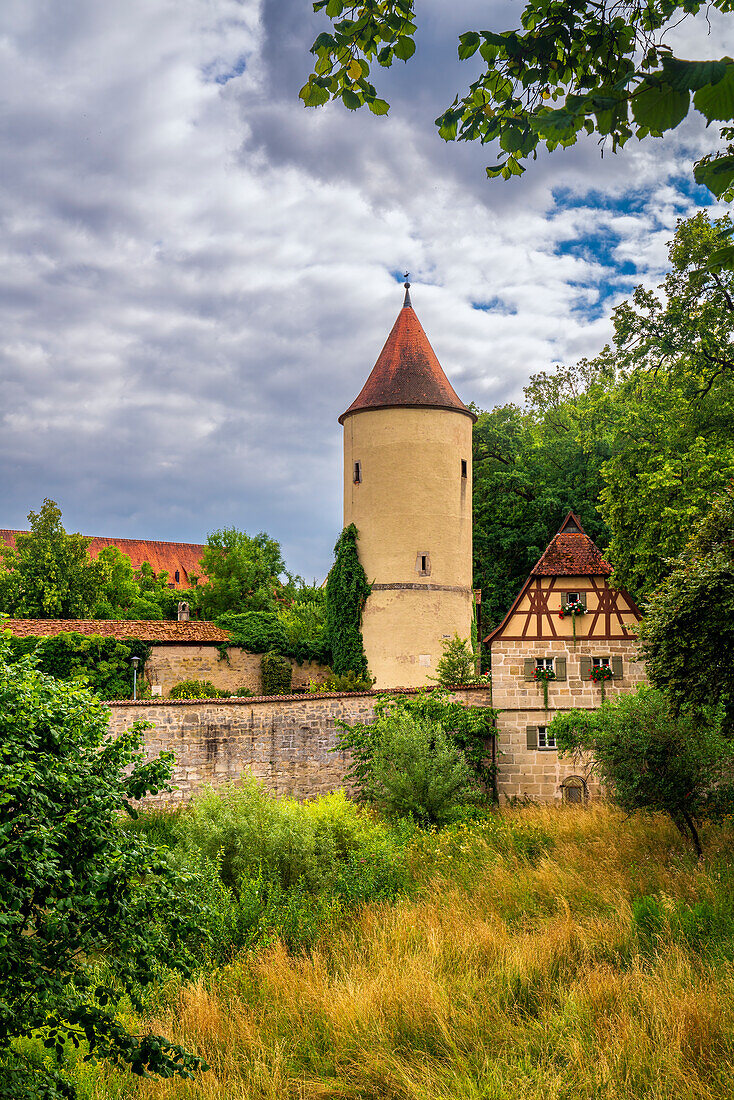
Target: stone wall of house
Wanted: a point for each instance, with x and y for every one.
(286, 742)
(540, 773)
(170, 664)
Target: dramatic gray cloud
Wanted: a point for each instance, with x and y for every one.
(198, 274)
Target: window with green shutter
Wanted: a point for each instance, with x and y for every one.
(531, 737)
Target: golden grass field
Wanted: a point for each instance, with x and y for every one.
(499, 977)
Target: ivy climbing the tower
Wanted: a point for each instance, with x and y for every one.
(346, 592)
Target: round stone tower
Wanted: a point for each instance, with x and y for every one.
(408, 491)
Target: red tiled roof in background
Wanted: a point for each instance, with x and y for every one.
(571, 553)
(407, 372)
(162, 633)
(170, 557)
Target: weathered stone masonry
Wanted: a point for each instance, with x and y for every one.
(284, 741)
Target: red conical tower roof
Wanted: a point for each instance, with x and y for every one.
(407, 372)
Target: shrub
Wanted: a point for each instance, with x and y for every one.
(347, 681)
(277, 674)
(196, 689)
(102, 664)
(418, 772)
(457, 665)
(255, 631)
(470, 728)
(304, 623)
(315, 845)
(243, 692)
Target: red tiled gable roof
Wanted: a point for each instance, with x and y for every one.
(571, 553)
(171, 557)
(407, 372)
(161, 633)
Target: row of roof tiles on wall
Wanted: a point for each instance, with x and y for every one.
(161, 632)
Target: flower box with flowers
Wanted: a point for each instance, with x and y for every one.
(573, 608)
(600, 674)
(542, 676)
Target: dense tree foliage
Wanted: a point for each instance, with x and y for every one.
(48, 574)
(244, 573)
(530, 469)
(650, 757)
(99, 663)
(76, 891)
(688, 630)
(346, 593)
(663, 399)
(636, 441)
(600, 67)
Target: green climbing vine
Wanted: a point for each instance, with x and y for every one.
(346, 592)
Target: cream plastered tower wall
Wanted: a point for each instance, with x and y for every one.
(408, 491)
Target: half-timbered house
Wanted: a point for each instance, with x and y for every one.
(568, 637)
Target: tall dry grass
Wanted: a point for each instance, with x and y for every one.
(502, 978)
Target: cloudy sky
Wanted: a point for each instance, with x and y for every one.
(198, 274)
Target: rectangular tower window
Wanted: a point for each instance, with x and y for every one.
(357, 472)
(177, 575)
(464, 472)
(423, 564)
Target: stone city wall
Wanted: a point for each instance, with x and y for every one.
(170, 664)
(284, 741)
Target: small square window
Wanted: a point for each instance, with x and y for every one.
(544, 663)
(357, 473)
(464, 470)
(572, 597)
(546, 740)
(601, 662)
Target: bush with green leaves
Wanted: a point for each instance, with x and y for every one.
(276, 673)
(304, 623)
(457, 665)
(470, 728)
(346, 681)
(74, 887)
(287, 843)
(196, 689)
(418, 772)
(101, 664)
(652, 757)
(255, 631)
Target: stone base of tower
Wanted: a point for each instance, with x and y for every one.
(404, 628)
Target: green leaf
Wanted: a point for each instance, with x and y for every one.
(351, 99)
(692, 75)
(716, 101)
(313, 95)
(468, 44)
(378, 106)
(404, 48)
(334, 8)
(659, 108)
(717, 174)
(721, 259)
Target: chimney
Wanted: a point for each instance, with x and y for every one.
(183, 612)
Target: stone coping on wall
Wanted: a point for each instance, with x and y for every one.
(304, 696)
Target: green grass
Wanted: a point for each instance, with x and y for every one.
(559, 953)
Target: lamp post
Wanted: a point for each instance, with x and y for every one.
(135, 661)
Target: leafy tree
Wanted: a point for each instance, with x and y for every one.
(688, 630)
(582, 68)
(530, 467)
(663, 398)
(457, 664)
(346, 593)
(48, 573)
(255, 631)
(117, 588)
(651, 757)
(244, 573)
(75, 888)
(417, 771)
(470, 728)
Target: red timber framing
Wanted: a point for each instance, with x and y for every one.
(570, 563)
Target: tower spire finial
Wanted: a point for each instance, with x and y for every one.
(406, 284)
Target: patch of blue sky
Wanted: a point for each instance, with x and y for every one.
(214, 73)
(495, 305)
